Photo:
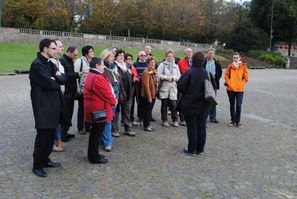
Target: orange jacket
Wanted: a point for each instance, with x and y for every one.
(236, 77)
(148, 89)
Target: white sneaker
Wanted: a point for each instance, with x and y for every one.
(107, 148)
(166, 124)
(130, 133)
(175, 124)
(134, 123)
(115, 134)
(183, 123)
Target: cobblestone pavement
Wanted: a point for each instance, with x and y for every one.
(258, 161)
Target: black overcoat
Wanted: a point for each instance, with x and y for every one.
(191, 85)
(45, 93)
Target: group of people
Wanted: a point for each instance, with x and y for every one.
(110, 86)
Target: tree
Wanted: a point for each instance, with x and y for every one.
(284, 19)
(247, 36)
(23, 13)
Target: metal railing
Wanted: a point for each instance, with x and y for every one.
(110, 37)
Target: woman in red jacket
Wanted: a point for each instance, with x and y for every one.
(98, 96)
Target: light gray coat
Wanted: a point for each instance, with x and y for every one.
(168, 89)
(85, 69)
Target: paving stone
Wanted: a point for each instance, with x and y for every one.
(257, 161)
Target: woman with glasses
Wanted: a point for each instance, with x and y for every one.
(129, 61)
(169, 74)
(150, 82)
(125, 96)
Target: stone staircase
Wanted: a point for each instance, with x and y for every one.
(293, 62)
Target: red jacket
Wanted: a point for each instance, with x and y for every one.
(183, 65)
(101, 98)
(134, 72)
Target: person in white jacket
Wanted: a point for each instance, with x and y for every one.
(60, 50)
(169, 74)
(83, 65)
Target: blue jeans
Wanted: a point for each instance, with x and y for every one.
(58, 132)
(196, 130)
(106, 138)
(212, 112)
(235, 111)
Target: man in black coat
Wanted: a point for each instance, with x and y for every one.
(67, 60)
(215, 70)
(45, 82)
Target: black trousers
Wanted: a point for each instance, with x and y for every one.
(147, 111)
(134, 99)
(69, 101)
(137, 98)
(80, 115)
(196, 130)
(178, 106)
(172, 106)
(43, 147)
(94, 138)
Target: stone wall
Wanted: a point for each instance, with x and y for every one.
(34, 36)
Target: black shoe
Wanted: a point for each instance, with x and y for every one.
(70, 135)
(153, 120)
(188, 153)
(52, 164)
(64, 138)
(214, 121)
(39, 172)
(149, 129)
(100, 161)
(101, 156)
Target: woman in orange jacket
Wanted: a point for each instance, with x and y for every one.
(236, 76)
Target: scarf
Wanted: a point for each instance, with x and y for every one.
(122, 66)
(236, 64)
(170, 65)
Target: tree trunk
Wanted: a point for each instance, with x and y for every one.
(289, 49)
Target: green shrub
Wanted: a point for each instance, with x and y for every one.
(280, 61)
(254, 53)
(273, 58)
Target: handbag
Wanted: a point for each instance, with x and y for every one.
(210, 94)
(122, 93)
(160, 84)
(99, 115)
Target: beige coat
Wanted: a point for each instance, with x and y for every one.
(168, 89)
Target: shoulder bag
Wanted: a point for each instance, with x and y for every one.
(210, 95)
(161, 82)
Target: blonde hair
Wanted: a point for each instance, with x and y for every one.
(105, 54)
(211, 49)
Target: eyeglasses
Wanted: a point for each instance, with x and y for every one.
(142, 55)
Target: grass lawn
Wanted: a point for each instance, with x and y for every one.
(19, 56)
